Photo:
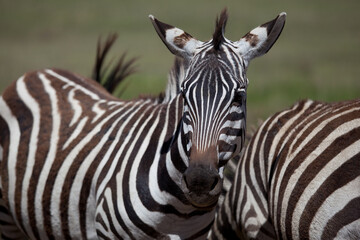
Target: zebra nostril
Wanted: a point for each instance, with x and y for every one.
(186, 183)
(214, 183)
(200, 180)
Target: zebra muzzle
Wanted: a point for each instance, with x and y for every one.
(201, 185)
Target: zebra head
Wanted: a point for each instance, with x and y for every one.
(213, 92)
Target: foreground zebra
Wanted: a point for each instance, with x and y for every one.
(80, 164)
(299, 177)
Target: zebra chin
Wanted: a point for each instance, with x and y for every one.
(202, 186)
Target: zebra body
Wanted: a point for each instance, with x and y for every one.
(78, 163)
(299, 177)
(90, 151)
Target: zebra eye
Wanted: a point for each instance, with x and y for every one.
(182, 92)
(239, 96)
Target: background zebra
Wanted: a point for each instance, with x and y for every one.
(299, 177)
(78, 163)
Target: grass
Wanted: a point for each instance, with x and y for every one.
(317, 56)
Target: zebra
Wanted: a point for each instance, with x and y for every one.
(299, 177)
(78, 163)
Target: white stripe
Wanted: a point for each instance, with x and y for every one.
(318, 115)
(72, 84)
(216, 126)
(240, 186)
(100, 213)
(64, 169)
(194, 79)
(211, 124)
(335, 203)
(349, 231)
(56, 120)
(262, 161)
(14, 135)
(202, 117)
(75, 105)
(115, 160)
(224, 82)
(34, 108)
(76, 132)
(158, 195)
(132, 179)
(196, 134)
(98, 110)
(228, 57)
(286, 126)
(76, 187)
(114, 220)
(274, 145)
(182, 152)
(114, 104)
(296, 175)
(339, 198)
(1, 155)
(74, 200)
(136, 202)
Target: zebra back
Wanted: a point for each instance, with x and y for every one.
(299, 177)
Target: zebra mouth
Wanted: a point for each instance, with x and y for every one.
(202, 201)
(201, 186)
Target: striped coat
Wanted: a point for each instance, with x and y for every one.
(299, 177)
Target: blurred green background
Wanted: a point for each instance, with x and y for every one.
(317, 56)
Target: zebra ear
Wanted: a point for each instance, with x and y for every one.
(258, 41)
(176, 40)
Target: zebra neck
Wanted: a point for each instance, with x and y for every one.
(173, 159)
(161, 165)
(175, 78)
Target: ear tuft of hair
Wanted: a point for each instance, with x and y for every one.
(218, 36)
(111, 78)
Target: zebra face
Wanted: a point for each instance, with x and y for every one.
(214, 99)
(214, 94)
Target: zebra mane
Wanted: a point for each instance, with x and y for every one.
(218, 36)
(111, 78)
(175, 78)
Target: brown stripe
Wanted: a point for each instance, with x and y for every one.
(71, 174)
(328, 112)
(280, 160)
(347, 215)
(123, 136)
(313, 168)
(339, 178)
(25, 122)
(43, 146)
(89, 84)
(86, 186)
(299, 158)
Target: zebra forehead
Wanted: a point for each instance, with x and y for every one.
(212, 79)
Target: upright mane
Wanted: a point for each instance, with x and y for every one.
(218, 36)
(112, 75)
